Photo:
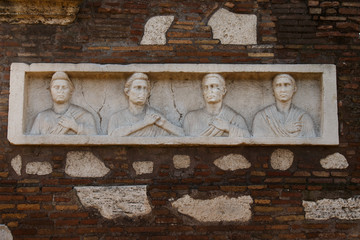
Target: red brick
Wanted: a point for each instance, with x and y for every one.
(11, 197)
(6, 189)
(28, 207)
(40, 198)
(28, 189)
(329, 4)
(56, 189)
(145, 229)
(349, 11)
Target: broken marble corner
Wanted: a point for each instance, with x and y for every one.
(175, 90)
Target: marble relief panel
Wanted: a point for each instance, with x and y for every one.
(174, 104)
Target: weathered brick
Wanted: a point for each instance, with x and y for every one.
(290, 218)
(11, 197)
(261, 54)
(267, 209)
(349, 11)
(329, 4)
(13, 215)
(28, 207)
(28, 189)
(56, 189)
(66, 207)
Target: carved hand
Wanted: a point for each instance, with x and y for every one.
(212, 131)
(69, 123)
(293, 127)
(160, 122)
(150, 119)
(221, 124)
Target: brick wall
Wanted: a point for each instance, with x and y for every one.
(289, 31)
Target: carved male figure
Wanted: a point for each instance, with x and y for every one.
(63, 117)
(139, 119)
(283, 119)
(216, 119)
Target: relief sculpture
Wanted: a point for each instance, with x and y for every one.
(173, 104)
(216, 119)
(63, 117)
(283, 119)
(139, 119)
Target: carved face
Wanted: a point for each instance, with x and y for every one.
(213, 90)
(138, 92)
(284, 89)
(60, 91)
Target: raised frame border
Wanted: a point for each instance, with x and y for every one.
(17, 98)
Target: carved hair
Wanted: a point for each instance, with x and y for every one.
(214, 75)
(287, 76)
(62, 76)
(136, 76)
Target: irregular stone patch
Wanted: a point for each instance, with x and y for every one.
(16, 164)
(5, 233)
(232, 162)
(84, 164)
(233, 28)
(155, 30)
(334, 161)
(346, 209)
(218, 209)
(33, 11)
(181, 161)
(145, 167)
(116, 201)
(281, 159)
(39, 168)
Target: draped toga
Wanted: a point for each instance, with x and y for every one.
(198, 121)
(47, 122)
(268, 123)
(124, 118)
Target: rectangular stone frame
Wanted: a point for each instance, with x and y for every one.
(18, 93)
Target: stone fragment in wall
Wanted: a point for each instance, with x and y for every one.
(5, 233)
(345, 209)
(155, 30)
(34, 11)
(116, 201)
(334, 161)
(16, 164)
(219, 209)
(232, 28)
(145, 167)
(181, 161)
(84, 164)
(38, 168)
(232, 162)
(281, 159)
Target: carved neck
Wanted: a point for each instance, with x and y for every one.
(283, 107)
(136, 109)
(61, 108)
(213, 108)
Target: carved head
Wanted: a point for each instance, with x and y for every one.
(214, 88)
(137, 88)
(284, 87)
(61, 87)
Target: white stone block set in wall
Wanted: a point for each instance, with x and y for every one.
(132, 201)
(86, 164)
(228, 27)
(172, 104)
